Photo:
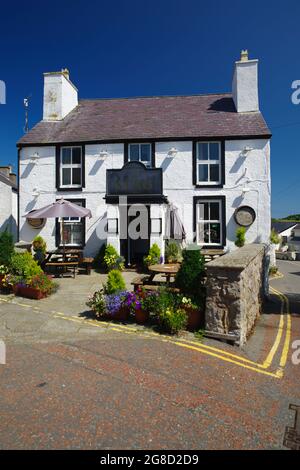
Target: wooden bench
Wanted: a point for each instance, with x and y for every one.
(86, 263)
(64, 264)
(151, 287)
(139, 281)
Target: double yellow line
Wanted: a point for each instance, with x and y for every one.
(218, 353)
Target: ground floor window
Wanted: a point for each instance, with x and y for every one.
(210, 221)
(74, 228)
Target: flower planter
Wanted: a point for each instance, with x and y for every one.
(194, 318)
(141, 316)
(121, 315)
(15, 289)
(2, 276)
(31, 293)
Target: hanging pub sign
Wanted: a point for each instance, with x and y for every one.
(134, 179)
(244, 216)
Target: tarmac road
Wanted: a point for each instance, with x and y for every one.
(72, 383)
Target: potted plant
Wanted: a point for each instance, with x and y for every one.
(135, 302)
(172, 319)
(3, 272)
(172, 252)
(112, 259)
(38, 287)
(11, 282)
(240, 237)
(190, 277)
(115, 282)
(153, 256)
(96, 303)
(39, 247)
(116, 308)
(194, 317)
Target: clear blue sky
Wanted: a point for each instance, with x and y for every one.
(139, 47)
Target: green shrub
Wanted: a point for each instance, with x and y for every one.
(240, 237)
(273, 270)
(39, 247)
(172, 320)
(112, 259)
(274, 237)
(6, 248)
(23, 264)
(99, 258)
(189, 278)
(153, 256)
(172, 251)
(39, 244)
(115, 282)
(97, 303)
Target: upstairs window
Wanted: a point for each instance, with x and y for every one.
(140, 153)
(208, 166)
(71, 167)
(209, 222)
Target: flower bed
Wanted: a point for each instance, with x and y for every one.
(169, 311)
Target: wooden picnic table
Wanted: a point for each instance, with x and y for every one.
(168, 270)
(64, 255)
(62, 260)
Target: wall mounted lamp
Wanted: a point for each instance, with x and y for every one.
(35, 193)
(246, 150)
(35, 158)
(103, 154)
(172, 152)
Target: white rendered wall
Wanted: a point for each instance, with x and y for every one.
(8, 209)
(180, 190)
(296, 232)
(41, 176)
(177, 183)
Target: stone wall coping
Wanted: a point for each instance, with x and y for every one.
(238, 259)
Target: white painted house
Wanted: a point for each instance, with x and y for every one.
(9, 201)
(207, 154)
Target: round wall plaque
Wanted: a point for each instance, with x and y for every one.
(245, 216)
(36, 223)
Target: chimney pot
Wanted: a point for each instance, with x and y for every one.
(244, 55)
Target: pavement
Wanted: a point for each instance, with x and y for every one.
(71, 382)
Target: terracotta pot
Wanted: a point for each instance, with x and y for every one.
(194, 320)
(30, 293)
(122, 314)
(141, 316)
(15, 289)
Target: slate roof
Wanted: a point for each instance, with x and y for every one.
(7, 181)
(155, 117)
(280, 227)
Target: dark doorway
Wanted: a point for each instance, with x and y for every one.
(138, 225)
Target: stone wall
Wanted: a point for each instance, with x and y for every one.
(235, 286)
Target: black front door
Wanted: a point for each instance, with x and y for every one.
(137, 243)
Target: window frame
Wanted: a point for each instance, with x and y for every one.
(58, 241)
(140, 143)
(220, 162)
(222, 208)
(71, 165)
(60, 166)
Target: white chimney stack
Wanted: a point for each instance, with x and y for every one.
(245, 84)
(60, 95)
